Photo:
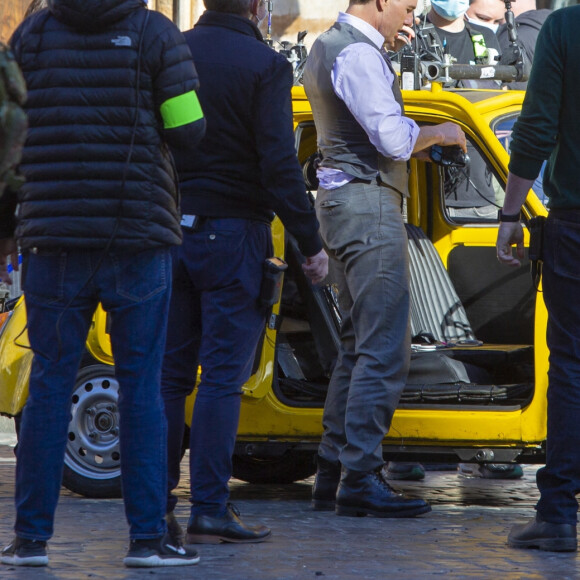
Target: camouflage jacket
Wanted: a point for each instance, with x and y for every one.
(13, 127)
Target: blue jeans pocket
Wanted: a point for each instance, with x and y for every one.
(142, 275)
(226, 241)
(565, 238)
(44, 276)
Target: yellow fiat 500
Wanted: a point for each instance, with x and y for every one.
(477, 387)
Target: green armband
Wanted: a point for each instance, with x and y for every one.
(181, 110)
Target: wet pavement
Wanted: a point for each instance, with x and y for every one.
(463, 537)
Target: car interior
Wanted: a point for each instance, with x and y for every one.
(471, 323)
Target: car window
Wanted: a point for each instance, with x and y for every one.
(503, 131)
(472, 194)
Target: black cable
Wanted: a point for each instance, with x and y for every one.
(121, 194)
(452, 182)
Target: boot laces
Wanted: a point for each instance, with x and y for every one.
(231, 507)
(381, 474)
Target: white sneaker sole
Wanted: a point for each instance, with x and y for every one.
(31, 561)
(158, 561)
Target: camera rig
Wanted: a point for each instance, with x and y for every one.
(425, 59)
(296, 53)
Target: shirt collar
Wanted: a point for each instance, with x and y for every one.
(362, 26)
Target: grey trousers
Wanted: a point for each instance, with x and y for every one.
(364, 234)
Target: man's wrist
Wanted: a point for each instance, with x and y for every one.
(509, 217)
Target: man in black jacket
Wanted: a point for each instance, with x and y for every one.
(110, 85)
(528, 23)
(243, 171)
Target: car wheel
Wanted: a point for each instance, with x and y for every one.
(290, 467)
(93, 458)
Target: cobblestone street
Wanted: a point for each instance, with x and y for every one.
(463, 537)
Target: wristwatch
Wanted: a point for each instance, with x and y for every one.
(509, 217)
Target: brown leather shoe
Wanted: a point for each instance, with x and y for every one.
(205, 529)
(543, 535)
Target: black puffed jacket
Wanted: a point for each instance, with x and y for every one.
(96, 160)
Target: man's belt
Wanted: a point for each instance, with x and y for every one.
(372, 181)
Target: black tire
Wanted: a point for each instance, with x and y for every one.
(290, 467)
(92, 458)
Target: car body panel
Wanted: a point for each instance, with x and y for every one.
(265, 418)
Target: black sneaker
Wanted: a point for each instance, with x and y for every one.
(174, 530)
(22, 552)
(159, 552)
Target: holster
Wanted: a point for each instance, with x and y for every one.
(536, 250)
(271, 288)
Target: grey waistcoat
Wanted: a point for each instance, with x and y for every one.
(341, 140)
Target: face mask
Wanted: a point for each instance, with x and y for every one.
(490, 25)
(450, 9)
(261, 13)
(257, 21)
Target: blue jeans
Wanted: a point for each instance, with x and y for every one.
(215, 321)
(61, 297)
(559, 480)
(363, 231)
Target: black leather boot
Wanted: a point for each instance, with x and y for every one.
(367, 493)
(325, 485)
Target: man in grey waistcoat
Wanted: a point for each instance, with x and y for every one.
(365, 142)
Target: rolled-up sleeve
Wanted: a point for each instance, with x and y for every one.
(363, 80)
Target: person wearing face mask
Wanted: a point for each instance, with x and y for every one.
(242, 172)
(467, 42)
(468, 196)
(490, 13)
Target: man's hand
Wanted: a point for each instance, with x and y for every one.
(316, 267)
(510, 233)
(452, 135)
(404, 37)
(7, 248)
(443, 134)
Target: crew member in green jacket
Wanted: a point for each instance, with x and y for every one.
(549, 128)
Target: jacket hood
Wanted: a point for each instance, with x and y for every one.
(92, 15)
